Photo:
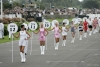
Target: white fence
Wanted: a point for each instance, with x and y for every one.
(12, 16)
(93, 15)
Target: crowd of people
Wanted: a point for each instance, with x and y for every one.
(30, 11)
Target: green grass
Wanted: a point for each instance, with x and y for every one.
(6, 38)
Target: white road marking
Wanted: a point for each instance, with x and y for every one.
(19, 50)
(65, 61)
(55, 54)
(84, 49)
(97, 54)
(0, 62)
(92, 42)
(45, 54)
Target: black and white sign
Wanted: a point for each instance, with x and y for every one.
(33, 25)
(75, 20)
(66, 21)
(12, 28)
(54, 22)
(47, 24)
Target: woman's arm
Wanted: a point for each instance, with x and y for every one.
(67, 29)
(47, 32)
(51, 29)
(17, 35)
(60, 29)
(28, 35)
(37, 31)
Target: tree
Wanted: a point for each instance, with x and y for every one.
(91, 4)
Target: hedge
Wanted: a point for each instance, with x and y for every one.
(5, 30)
(18, 24)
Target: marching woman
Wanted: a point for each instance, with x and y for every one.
(42, 37)
(73, 31)
(99, 24)
(22, 41)
(64, 33)
(57, 32)
(90, 26)
(81, 29)
(85, 25)
(95, 22)
(26, 46)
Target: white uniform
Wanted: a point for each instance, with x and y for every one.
(0, 30)
(90, 22)
(64, 31)
(22, 41)
(99, 22)
(26, 46)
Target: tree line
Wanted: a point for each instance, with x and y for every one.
(56, 3)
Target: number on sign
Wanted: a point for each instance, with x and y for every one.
(32, 26)
(12, 29)
(46, 25)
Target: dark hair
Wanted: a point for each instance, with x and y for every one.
(22, 26)
(64, 23)
(25, 28)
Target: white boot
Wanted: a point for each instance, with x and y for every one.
(21, 56)
(90, 33)
(94, 32)
(64, 42)
(41, 50)
(80, 37)
(84, 34)
(24, 59)
(57, 45)
(72, 40)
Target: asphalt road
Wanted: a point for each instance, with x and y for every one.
(85, 53)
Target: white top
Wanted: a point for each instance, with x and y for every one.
(98, 21)
(2, 26)
(64, 31)
(90, 22)
(23, 35)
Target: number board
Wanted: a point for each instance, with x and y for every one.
(12, 28)
(53, 23)
(47, 24)
(66, 21)
(33, 25)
